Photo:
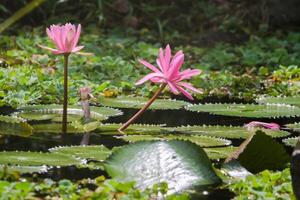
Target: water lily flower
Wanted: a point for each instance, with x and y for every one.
(168, 72)
(65, 38)
(272, 126)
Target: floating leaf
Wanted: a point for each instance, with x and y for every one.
(23, 169)
(262, 153)
(291, 141)
(219, 152)
(233, 132)
(11, 125)
(37, 159)
(203, 141)
(235, 170)
(86, 127)
(247, 110)
(295, 100)
(139, 102)
(181, 164)
(54, 112)
(133, 128)
(93, 152)
(54, 128)
(294, 127)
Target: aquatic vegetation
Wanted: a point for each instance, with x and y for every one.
(247, 110)
(293, 100)
(166, 162)
(254, 124)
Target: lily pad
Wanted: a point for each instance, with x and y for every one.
(181, 164)
(247, 110)
(11, 125)
(54, 128)
(139, 102)
(23, 169)
(295, 100)
(294, 127)
(54, 112)
(233, 132)
(37, 159)
(216, 153)
(133, 128)
(262, 152)
(93, 152)
(291, 141)
(234, 170)
(203, 141)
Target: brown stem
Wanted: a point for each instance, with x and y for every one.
(143, 109)
(65, 103)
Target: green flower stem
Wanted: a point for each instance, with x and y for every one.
(65, 104)
(143, 109)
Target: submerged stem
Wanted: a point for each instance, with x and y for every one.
(65, 103)
(143, 109)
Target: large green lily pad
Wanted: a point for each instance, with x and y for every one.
(234, 132)
(139, 102)
(247, 110)
(181, 164)
(295, 100)
(203, 141)
(92, 152)
(37, 159)
(11, 125)
(294, 127)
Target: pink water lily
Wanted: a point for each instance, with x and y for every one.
(254, 124)
(65, 38)
(168, 72)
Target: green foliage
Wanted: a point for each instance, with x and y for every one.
(139, 102)
(265, 185)
(150, 162)
(232, 132)
(110, 128)
(294, 100)
(66, 189)
(216, 153)
(203, 141)
(11, 169)
(37, 159)
(94, 152)
(291, 141)
(247, 110)
(294, 127)
(11, 125)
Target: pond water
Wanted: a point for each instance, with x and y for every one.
(171, 118)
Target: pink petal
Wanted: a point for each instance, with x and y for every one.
(190, 87)
(175, 66)
(147, 77)
(185, 93)
(153, 68)
(77, 35)
(162, 61)
(188, 73)
(55, 51)
(168, 54)
(272, 126)
(173, 88)
(76, 49)
(159, 65)
(158, 80)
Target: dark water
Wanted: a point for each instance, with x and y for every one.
(42, 142)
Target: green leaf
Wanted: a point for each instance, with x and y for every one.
(233, 132)
(133, 128)
(37, 159)
(234, 170)
(262, 153)
(11, 125)
(247, 110)
(23, 169)
(294, 100)
(93, 152)
(139, 102)
(54, 128)
(294, 127)
(216, 153)
(203, 141)
(291, 141)
(54, 112)
(181, 164)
